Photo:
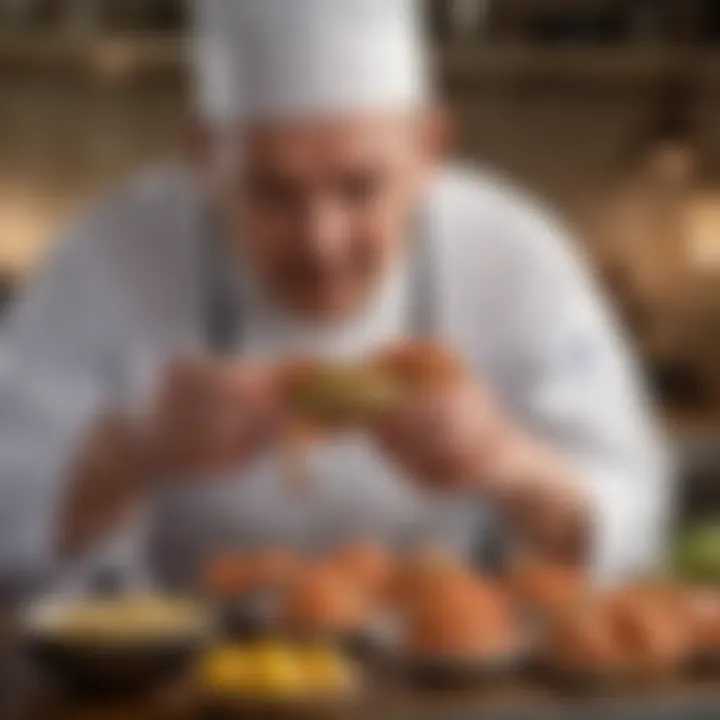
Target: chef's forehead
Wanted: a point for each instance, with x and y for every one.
(323, 143)
(296, 59)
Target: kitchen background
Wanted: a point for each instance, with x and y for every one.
(607, 109)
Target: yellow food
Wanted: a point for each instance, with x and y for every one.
(275, 671)
(326, 671)
(332, 396)
(278, 674)
(227, 670)
(121, 620)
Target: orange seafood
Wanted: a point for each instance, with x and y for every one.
(236, 573)
(367, 564)
(459, 620)
(648, 626)
(548, 588)
(631, 629)
(322, 600)
(586, 640)
(700, 613)
(423, 571)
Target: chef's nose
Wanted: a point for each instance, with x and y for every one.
(325, 229)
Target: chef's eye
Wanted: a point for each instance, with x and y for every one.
(361, 188)
(271, 191)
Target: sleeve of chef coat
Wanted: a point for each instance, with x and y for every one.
(55, 351)
(578, 386)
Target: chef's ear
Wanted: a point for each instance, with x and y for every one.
(437, 133)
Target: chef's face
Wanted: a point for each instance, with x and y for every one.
(321, 208)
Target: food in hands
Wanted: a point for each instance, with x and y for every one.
(331, 396)
(324, 397)
(335, 395)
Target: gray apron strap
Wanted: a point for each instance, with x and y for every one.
(220, 313)
(423, 309)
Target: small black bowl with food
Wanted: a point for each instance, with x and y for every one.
(114, 645)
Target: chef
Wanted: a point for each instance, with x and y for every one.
(316, 214)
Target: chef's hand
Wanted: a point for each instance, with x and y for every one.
(454, 437)
(206, 417)
(210, 416)
(443, 436)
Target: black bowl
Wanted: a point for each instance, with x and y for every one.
(101, 667)
(103, 671)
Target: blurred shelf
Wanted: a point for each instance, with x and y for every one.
(617, 65)
(701, 422)
(93, 55)
(523, 60)
(491, 62)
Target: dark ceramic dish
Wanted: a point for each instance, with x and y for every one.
(101, 666)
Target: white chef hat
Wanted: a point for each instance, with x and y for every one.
(295, 58)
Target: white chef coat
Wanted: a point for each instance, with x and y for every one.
(123, 293)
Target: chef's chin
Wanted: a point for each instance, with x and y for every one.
(325, 301)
